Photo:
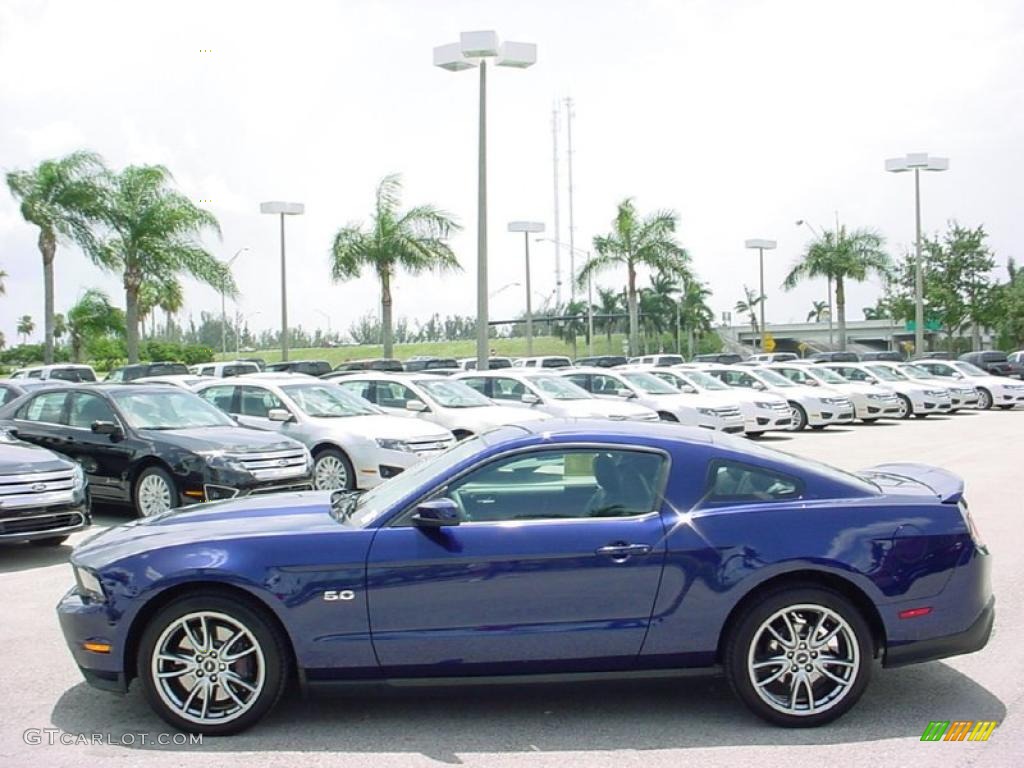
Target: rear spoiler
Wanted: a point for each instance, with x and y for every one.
(947, 486)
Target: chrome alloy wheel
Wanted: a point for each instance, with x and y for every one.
(803, 660)
(329, 473)
(154, 495)
(208, 668)
(905, 409)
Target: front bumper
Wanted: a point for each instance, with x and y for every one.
(375, 466)
(830, 414)
(44, 523)
(972, 639)
(82, 621)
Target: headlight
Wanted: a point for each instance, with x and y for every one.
(218, 459)
(937, 393)
(391, 444)
(88, 583)
(79, 476)
(877, 397)
(762, 404)
(706, 412)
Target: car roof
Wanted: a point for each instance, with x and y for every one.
(640, 429)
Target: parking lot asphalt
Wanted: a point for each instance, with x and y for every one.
(653, 724)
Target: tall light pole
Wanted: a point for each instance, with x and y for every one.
(283, 209)
(224, 309)
(590, 291)
(473, 50)
(917, 162)
(761, 246)
(527, 228)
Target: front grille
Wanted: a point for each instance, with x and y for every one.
(37, 489)
(40, 523)
(274, 465)
(728, 412)
(431, 445)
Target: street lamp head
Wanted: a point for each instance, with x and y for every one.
(526, 226)
(288, 209)
(916, 161)
(518, 55)
(450, 57)
(474, 46)
(766, 245)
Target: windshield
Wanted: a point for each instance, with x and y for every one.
(558, 388)
(325, 401)
(652, 385)
(828, 376)
(969, 369)
(703, 381)
(917, 372)
(885, 374)
(773, 379)
(169, 410)
(452, 394)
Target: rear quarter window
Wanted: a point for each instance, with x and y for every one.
(736, 481)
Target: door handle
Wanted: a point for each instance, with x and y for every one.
(622, 550)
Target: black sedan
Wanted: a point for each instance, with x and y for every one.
(156, 447)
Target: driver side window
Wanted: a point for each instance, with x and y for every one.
(562, 484)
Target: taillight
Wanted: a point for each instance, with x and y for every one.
(969, 522)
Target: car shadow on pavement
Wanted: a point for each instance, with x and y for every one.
(444, 723)
(21, 556)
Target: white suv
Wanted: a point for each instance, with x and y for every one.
(59, 372)
(544, 361)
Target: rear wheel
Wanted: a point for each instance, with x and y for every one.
(800, 656)
(984, 399)
(906, 408)
(210, 664)
(332, 471)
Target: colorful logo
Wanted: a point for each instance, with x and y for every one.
(958, 730)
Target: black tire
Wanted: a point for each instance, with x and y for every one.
(333, 454)
(920, 415)
(818, 427)
(141, 482)
(271, 645)
(744, 632)
(984, 399)
(52, 541)
(1004, 407)
(872, 420)
(799, 417)
(755, 435)
(908, 407)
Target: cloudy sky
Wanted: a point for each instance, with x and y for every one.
(741, 115)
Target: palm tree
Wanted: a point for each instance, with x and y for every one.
(61, 197)
(415, 240)
(171, 299)
(154, 238)
(842, 255)
(637, 241)
(749, 305)
(3, 282)
(695, 313)
(819, 309)
(60, 327)
(92, 316)
(26, 325)
(575, 324)
(609, 302)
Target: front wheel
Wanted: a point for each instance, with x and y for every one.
(798, 417)
(333, 471)
(906, 408)
(800, 656)
(984, 399)
(154, 492)
(210, 664)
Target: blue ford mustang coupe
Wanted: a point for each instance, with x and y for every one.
(568, 549)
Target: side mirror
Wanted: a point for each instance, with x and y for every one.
(416, 406)
(107, 428)
(688, 389)
(811, 382)
(438, 513)
(759, 386)
(529, 398)
(626, 393)
(871, 380)
(279, 414)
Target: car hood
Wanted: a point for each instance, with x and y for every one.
(376, 426)
(18, 457)
(750, 396)
(227, 439)
(248, 517)
(485, 417)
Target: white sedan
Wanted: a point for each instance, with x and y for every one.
(871, 402)
(916, 399)
(661, 397)
(808, 407)
(551, 394)
(997, 391)
(762, 411)
(438, 399)
(354, 445)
